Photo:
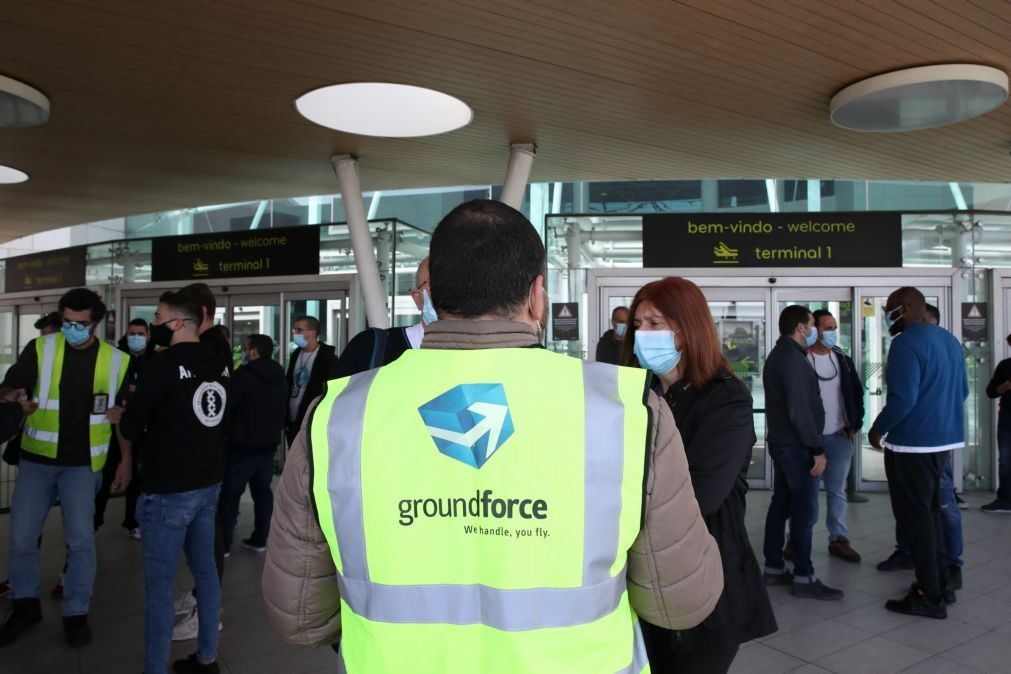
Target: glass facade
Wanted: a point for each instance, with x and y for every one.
(965, 227)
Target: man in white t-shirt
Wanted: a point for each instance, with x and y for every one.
(842, 397)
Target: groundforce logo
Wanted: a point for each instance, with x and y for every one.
(482, 504)
(469, 422)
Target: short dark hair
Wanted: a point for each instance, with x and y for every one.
(138, 321)
(204, 297)
(933, 312)
(792, 316)
(80, 299)
(484, 256)
(51, 320)
(185, 304)
(263, 344)
(819, 314)
(311, 320)
(614, 312)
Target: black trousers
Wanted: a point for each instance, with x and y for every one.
(914, 488)
(695, 651)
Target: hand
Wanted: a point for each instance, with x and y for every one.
(875, 439)
(27, 407)
(114, 414)
(11, 395)
(122, 478)
(819, 465)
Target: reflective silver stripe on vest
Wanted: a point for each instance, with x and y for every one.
(46, 404)
(116, 362)
(507, 610)
(605, 463)
(344, 482)
(639, 658)
(46, 370)
(41, 436)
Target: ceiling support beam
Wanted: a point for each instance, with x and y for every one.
(521, 158)
(346, 168)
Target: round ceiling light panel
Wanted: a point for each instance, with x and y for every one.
(920, 98)
(21, 105)
(9, 176)
(384, 109)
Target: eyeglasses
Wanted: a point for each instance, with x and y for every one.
(76, 325)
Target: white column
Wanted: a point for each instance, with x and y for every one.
(346, 168)
(521, 158)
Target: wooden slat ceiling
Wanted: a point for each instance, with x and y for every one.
(166, 104)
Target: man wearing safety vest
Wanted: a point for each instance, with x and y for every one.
(75, 378)
(483, 504)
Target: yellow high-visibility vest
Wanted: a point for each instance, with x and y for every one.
(479, 506)
(42, 429)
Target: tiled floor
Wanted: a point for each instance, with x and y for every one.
(850, 636)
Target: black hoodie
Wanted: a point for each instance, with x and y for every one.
(181, 400)
(258, 405)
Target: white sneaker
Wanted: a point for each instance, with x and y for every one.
(189, 627)
(186, 603)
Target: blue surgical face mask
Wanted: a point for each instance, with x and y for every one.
(811, 337)
(428, 315)
(620, 328)
(301, 341)
(75, 334)
(136, 343)
(891, 318)
(655, 350)
(830, 338)
(244, 357)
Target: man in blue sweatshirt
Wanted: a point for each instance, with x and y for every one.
(921, 423)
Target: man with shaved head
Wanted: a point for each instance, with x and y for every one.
(921, 423)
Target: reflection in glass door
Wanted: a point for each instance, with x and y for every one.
(255, 319)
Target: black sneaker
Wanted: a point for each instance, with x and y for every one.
(76, 631)
(24, 613)
(193, 666)
(955, 576)
(962, 505)
(916, 604)
(812, 588)
(996, 506)
(773, 579)
(896, 562)
(250, 544)
(948, 595)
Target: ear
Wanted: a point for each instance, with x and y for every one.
(538, 298)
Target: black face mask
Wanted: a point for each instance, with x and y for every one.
(161, 335)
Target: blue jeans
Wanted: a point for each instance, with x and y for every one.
(170, 524)
(1004, 457)
(794, 498)
(951, 517)
(838, 454)
(255, 468)
(35, 491)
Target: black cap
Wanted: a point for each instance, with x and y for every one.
(50, 319)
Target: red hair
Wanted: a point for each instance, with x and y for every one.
(681, 302)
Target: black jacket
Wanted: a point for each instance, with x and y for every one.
(180, 405)
(852, 391)
(793, 408)
(257, 405)
(10, 431)
(609, 349)
(321, 368)
(357, 357)
(718, 431)
(1001, 374)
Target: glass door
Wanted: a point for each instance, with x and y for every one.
(254, 315)
(330, 309)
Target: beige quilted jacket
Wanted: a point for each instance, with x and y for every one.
(675, 576)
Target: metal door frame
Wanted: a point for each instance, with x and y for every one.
(603, 284)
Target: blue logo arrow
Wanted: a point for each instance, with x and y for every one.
(469, 422)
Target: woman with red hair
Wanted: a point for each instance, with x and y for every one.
(672, 334)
